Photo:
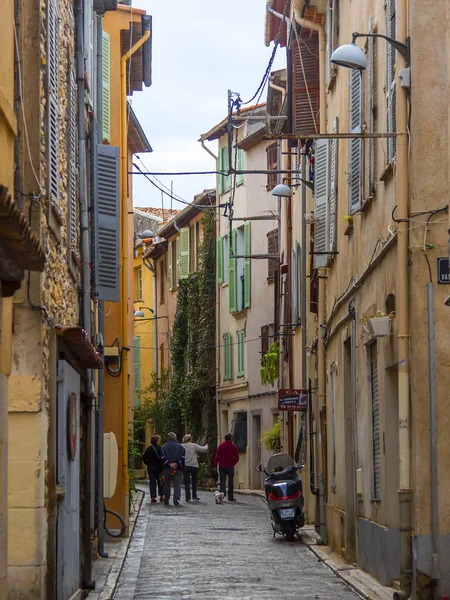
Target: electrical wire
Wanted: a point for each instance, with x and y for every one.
(206, 347)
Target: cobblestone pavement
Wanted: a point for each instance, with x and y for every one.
(207, 551)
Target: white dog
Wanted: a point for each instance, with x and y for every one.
(218, 497)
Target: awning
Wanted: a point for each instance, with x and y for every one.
(78, 341)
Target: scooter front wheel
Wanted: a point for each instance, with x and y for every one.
(289, 530)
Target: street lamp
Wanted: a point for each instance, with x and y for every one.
(353, 57)
(140, 312)
(284, 191)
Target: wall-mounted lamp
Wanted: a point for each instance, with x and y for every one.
(353, 57)
(284, 191)
(140, 312)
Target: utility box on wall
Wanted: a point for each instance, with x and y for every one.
(110, 464)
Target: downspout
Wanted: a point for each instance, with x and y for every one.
(321, 372)
(101, 329)
(401, 189)
(202, 143)
(124, 294)
(85, 271)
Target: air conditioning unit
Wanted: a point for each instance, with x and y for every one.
(102, 6)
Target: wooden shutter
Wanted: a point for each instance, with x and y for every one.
(240, 167)
(272, 248)
(219, 260)
(376, 438)
(264, 340)
(232, 274)
(106, 87)
(177, 252)
(272, 165)
(72, 161)
(305, 82)
(53, 62)
(137, 370)
(162, 282)
(241, 351)
(106, 222)
(184, 252)
(334, 146)
(170, 265)
(321, 207)
(162, 356)
(391, 88)
(220, 169)
(356, 145)
(247, 266)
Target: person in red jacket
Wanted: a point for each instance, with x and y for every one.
(227, 456)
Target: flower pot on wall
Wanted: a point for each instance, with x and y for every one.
(379, 326)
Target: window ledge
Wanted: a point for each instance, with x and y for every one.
(232, 387)
(240, 314)
(366, 204)
(375, 500)
(388, 171)
(224, 284)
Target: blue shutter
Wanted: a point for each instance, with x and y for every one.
(106, 222)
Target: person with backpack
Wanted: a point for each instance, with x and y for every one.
(152, 459)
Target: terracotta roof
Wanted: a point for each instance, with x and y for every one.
(78, 341)
(165, 214)
(16, 238)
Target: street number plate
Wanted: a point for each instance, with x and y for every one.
(287, 513)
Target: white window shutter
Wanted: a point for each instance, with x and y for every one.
(53, 100)
(329, 34)
(356, 145)
(72, 163)
(170, 265)
(371, 107)
(321, 207)
(184, 252)
(334, 145)
(106, 87)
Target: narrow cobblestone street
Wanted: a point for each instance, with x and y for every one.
(206, 551)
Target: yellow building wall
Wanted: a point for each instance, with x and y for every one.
(142, 328)
(113, 23)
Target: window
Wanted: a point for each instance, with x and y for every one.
(137, 370)
(272, 165)
(241, 353)
(333, 422)
(162, 282)
(355, 176)
(139, 283)
(305, 82)
(106, 87)
(272, 248)
(239, 270)
(239, 430)
(184, 252)
(240, 167)
(376, 441)
(391, 90)
(170, 261)
(224, 180)
(219, 260)
(227, 357)
(332, 32)
(193, 247)
(372, 86)
(264, 340)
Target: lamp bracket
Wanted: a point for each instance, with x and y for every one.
(404, 49)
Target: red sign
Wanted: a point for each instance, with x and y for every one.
(72, 425)
(290, 400)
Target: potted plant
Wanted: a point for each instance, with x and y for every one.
(348, 219)
(379, 324)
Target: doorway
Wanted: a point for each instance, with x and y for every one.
(349, 452)
(256, 476)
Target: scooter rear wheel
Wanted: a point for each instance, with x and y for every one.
(289, 530)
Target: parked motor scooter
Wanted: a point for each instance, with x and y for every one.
(284, 494)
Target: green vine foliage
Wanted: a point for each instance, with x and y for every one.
(270, 365)
(271, 438)
(185, 400)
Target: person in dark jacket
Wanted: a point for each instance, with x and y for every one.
(172, 456)
(152, 459)
(227, 456)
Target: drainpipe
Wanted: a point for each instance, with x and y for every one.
(124, 294)
(321, 372)
(202, 143)
(401, 190)
(85, 274)
(101, 329)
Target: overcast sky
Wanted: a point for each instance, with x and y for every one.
(201, 48)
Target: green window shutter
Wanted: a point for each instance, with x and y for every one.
(226, 166)
(241, 359)
(137, 370)
(177, 252)
(106, 87)
(232, 275)
(227, 355)
(220, 176)
(170, 266)
(105, 222)
(184, 252)
(195, 249)
(219, 260)
(240, 167)
(247, 267)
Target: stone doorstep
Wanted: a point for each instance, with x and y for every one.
(362, 583)
(107, 570)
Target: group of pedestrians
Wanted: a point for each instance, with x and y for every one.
(173, 460)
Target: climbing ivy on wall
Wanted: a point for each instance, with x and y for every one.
(186, 401)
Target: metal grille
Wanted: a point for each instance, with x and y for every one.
(376, 442)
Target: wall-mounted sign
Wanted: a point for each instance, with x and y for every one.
(72, 426)
(443, 270)
(292, 400)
